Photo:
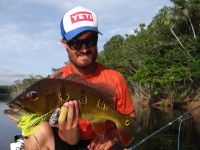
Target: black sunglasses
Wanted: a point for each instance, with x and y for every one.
(78, 44)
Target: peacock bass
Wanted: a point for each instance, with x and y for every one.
(95, 101)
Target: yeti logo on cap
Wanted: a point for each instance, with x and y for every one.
(81, 16)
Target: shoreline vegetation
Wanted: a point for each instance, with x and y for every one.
(7, 92)
(161, 61)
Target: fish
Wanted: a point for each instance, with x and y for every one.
(96, 103)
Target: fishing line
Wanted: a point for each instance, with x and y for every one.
(181, 118)
(181, 121)
(179, 130)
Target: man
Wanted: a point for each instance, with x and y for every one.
(79, 32)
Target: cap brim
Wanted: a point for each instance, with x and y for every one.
(70, 35)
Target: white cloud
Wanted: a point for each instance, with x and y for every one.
(16, 41)
(9, 74)
(32, 52)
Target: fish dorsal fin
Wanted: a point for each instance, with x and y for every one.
(58, 75)
(106, 90)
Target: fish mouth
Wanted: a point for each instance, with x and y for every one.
(16, 106)
(16, 109)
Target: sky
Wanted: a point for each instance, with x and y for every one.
(30, 33)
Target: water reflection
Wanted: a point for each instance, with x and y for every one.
(4, 97)
(152, 119)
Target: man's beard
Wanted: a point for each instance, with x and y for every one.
(85, 65)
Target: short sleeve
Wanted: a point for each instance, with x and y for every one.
(123, 98)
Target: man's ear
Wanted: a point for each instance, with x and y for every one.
(64, 43)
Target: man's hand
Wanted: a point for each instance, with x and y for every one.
(101, 143)
(104, 142)
(68, 128)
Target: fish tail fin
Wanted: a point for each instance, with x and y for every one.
(127, 128)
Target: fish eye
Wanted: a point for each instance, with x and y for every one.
(33, 95)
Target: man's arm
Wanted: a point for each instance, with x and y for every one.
(42, 139)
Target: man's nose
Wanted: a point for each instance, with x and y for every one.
(84, 49)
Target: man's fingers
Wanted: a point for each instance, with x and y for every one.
(99, 143)
(93, 143)
(106, 145)
(71, 115)
(76, 112)
(91, 146)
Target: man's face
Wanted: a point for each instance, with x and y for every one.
(82, 51)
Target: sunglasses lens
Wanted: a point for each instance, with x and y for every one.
(72, 44)
(78, 44)
(91, 41)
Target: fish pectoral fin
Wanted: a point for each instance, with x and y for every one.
(127, 130)
(99, 127)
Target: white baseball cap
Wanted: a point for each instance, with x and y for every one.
(78, 20)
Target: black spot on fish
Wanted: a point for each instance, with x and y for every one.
(83, 99)
(64, 96)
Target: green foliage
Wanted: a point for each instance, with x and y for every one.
(8, 91)
(112, 52)
(5, 89)
(165, 56)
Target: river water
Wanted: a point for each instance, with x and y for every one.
(7, 129)
(150, 121)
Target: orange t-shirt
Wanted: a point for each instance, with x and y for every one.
(108, 76)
